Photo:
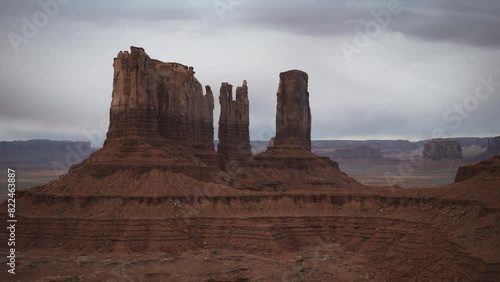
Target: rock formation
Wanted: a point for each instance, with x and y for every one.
(288, 163)
(356, 152)
(234, 137)
(490, 166)
(293, 114)
(159, 119)
(153, 100)
(146, 207)
(442, 149)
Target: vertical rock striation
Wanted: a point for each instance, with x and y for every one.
(293, 114)
(234, 137)
(154, 99)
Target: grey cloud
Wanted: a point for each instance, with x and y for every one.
(461, 21)
(60, 82)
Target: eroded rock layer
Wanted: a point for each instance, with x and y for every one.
(234, 136)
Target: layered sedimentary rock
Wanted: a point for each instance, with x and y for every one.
(442, 149)
(234, 136)
(356, 152)
(153, 99)
(293, 114)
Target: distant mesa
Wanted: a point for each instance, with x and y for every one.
(492, 149)
(437, 149)
(356, 152)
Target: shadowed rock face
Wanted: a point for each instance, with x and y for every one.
(234, 137)
(293, 114)
(154, 99)
(442, 149)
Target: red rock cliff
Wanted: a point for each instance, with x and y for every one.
(154, 99)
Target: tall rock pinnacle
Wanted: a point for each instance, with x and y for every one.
(234, 137)
(293, 115)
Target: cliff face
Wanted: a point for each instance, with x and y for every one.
(153, 99)
(442, 149)
(293, 114)
(234, 137)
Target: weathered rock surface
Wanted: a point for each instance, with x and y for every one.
(442, 149)
(293, 114)
(153, 99)
(234, 136)
(159, 118)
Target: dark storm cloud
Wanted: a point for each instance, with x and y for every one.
(461, 21)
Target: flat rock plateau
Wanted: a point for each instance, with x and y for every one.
(159, 203)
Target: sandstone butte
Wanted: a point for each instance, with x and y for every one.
(159, 203)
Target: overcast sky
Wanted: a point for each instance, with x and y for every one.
(377, 69)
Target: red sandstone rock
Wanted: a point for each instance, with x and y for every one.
(154, 100)
(234, 137)
(293, 115)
